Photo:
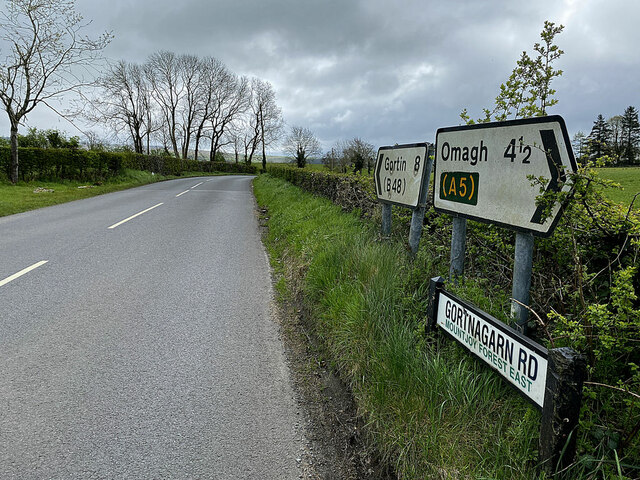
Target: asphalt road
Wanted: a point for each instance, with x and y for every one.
(144, 350)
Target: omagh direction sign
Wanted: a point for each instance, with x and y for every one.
(484, 171)
(522, 362)
(399, 174)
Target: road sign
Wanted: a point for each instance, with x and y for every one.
(522, 362)
(399, 174)
(484, 172)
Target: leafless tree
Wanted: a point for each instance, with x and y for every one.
(249, 136)
(163, 72)
(211, 70)
(230, 99)
(44, 56)
(301, 144)
(266, 118)
(124, 101)
(193, 102)
(235, 136)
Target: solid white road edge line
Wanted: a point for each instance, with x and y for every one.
(134, 216)
(186, 191)
(22, 272)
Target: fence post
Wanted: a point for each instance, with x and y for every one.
(386, 219)
(458, 247)
(435, 285)
(561, 412)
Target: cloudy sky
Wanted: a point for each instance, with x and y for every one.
(386, 71)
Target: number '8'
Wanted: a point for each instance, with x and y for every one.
(416, 165)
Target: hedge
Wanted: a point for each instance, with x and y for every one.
(349, 191)
(73, 164)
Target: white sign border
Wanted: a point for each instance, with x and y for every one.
(506, 123)
(529, 344)
(377, 187)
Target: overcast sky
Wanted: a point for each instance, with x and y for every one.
(385, 71)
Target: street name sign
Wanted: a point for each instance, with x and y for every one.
(484, 172)
(520, 361)
(399, 174)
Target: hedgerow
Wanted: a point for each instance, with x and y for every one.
(350, 191)
(76, 164)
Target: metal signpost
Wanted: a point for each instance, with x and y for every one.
(402, 178)
(486, 172)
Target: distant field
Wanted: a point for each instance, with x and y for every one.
(628, 178)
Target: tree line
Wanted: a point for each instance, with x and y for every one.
(181, 101)
(187, 103)
(617, 138)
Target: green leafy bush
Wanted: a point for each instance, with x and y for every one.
(350, 191)
(76, 164)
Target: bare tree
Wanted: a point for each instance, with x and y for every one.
(163, 72)
(192, 105)
(210, 72)
(267, 116)
(235, 135)
(230, 99)
(250, 128)
(43, 58)
(125, 102)
(301, 144)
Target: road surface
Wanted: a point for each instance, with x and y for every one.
(136, 340)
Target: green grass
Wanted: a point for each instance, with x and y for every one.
(629, 180)
(23, 197)
(432, 411)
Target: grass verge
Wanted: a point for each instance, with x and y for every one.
(26, 196)
(629, 180)
(431, 411)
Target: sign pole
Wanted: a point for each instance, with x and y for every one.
(458, 247)
(417, 218)
(386, 220)
(522, 268)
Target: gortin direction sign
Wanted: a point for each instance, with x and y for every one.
(399, 174)
(483, 171)
(522, 362)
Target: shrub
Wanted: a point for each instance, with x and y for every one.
(75, 164)
(351, 192)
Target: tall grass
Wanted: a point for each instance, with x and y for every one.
(431, 411)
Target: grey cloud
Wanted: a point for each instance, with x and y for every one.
(389, 71)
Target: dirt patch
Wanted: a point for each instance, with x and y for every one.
(337, 447)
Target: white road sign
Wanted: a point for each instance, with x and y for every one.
(522, 362)
(483, 171)
(399, 174)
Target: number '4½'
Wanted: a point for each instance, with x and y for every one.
(510, 152)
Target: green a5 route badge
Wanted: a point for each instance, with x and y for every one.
(460, 187)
